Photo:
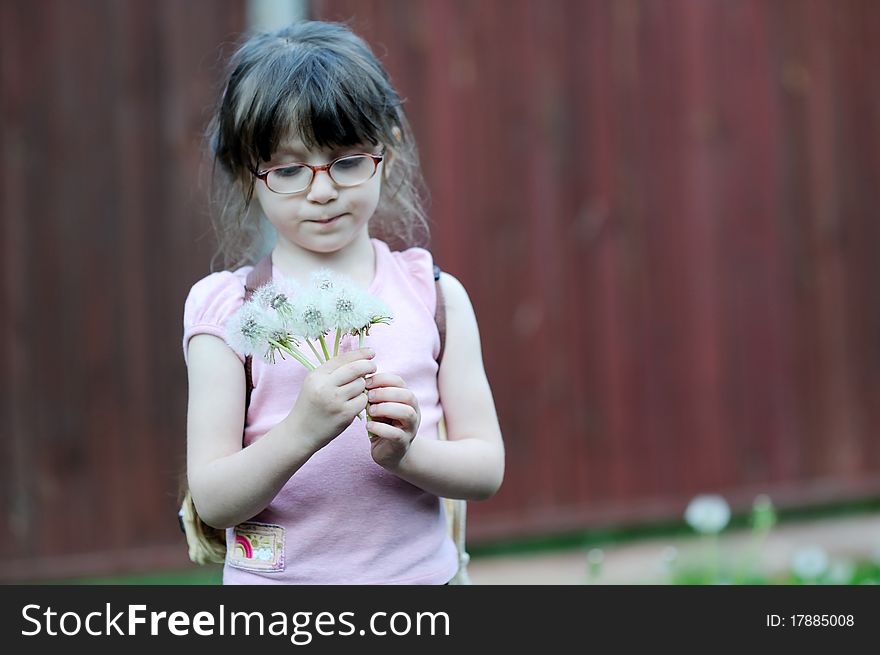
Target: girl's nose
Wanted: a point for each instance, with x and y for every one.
(322, 190)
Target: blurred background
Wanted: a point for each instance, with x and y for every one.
(665, 212)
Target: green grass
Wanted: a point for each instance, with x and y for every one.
(207, 575)
(861, 574)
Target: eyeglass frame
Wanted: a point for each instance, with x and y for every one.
(264, 174)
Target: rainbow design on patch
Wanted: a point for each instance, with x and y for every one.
(245, 545)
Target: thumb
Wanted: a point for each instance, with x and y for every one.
(349, 357)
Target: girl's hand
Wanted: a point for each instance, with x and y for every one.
(394, 419)
(331, 396)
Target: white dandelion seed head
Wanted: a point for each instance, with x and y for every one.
(326, 280)
(277, 330)
(263, 296)
(279, 339)
(246, 330)
(276, 297)
(377, 312)
(348, 308)
(707, 514)
(343, 305)
(810, 562)
(309, 318)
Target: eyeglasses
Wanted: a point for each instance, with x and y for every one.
(350, 170)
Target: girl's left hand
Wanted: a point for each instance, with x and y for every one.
(394, 418)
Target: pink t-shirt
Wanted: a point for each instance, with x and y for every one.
(342, 518)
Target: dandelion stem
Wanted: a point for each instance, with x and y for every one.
(293, 352)
(751, 565)
(324, 347)
(366, 414)
(301, 357)
(361, 345)
(315, 350)
(336, 342)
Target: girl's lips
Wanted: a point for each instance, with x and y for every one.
(325, 221)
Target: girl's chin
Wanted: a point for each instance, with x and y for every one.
(326, 242)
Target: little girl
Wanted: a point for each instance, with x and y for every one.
(311, 135)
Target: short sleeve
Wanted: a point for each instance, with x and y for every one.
(418, 264)
(210, 303)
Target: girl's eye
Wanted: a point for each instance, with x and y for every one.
(349, 163)
(289, 172)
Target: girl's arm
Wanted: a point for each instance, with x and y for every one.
(230, 484)
(470, 464)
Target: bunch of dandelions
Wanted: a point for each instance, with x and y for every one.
(283, 319)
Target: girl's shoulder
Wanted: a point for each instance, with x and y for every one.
(413, 267)
(214, 298)
(416, 262)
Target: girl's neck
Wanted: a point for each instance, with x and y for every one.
(357, 261)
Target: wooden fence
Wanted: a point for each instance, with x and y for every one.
(666, 215)
(104, 229)
(664, 212)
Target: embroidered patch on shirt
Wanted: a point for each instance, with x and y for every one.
(257, 547)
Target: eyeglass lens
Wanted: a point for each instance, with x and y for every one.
(347, 171)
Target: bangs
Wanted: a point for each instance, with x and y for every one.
(318, 101)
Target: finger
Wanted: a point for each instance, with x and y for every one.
(356, 405)
(385, 431)
(346, 358)
(353, 388)
(385, 380)
(352, 371)
(393, 395)
(394, 411)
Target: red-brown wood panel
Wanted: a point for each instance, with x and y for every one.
(103, 106)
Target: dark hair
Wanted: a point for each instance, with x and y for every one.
(320, 82)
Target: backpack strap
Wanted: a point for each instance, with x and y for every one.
(260, 274)
(440, 313)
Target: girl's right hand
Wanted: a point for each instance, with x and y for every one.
(331, 396)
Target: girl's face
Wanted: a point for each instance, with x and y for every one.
(325, 217)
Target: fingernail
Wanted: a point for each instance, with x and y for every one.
(370, 352)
